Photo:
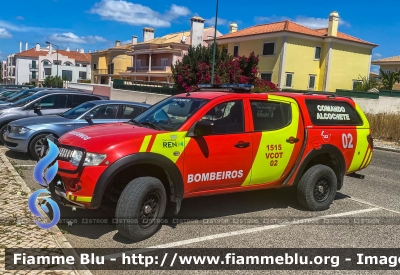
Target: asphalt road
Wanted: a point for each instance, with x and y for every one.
(247, 218)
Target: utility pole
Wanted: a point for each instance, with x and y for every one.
(215, 44)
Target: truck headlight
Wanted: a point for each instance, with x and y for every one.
(19, 130)
(91, 159)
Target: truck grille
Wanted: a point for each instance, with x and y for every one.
(65, 154)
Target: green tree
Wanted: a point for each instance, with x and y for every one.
(388, 79)
(366, 84)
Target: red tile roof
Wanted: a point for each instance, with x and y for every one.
(389, 59)
(289, 26)
(80, 57)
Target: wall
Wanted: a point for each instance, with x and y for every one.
(300, 60)
(22, 70)
(97, 89)
(348, 63)
(149, 98)
(267, 64)
(381, 105)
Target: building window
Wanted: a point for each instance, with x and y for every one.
(95, 66)
(311, 81)
(84, 65)
(289, 80)
(45, 63)
(225, 50)
(317, 54)
(66, 75)
(235, 50)
(82, 75)
(355, 83)
(164, 61)
(139, 63)
(269, 48)
(266, 76)
(111, 68)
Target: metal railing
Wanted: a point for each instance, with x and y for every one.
(146, 68)
(146, 86)
(33, 66)
(107, 71)
(34, 77)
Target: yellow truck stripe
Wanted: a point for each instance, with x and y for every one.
(145, 143)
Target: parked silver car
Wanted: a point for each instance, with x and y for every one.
(43, 103)
(28, 134)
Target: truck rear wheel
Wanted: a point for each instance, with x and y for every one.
(316, 189)
(140, 208)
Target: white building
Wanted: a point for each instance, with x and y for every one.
(9, 70)
(35, 64)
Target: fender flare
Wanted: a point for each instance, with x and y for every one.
(172, 172)
(325, 149)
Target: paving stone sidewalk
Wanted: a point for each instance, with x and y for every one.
(17, 227)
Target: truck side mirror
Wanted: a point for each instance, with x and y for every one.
(203, 128)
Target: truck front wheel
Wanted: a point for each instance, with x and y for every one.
(140, 208)
(317, 188)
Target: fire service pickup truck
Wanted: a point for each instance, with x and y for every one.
(217, 140)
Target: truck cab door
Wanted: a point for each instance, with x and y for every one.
(278, 136)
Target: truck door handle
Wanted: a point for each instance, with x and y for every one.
(242, 144)
(292, 140)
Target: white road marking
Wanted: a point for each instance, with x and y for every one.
(240, 232)
(374, 205)
(25, 165)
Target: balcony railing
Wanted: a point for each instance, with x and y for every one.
(33, 67)
(106, 71)
(33, 77)
(153, 68)
(46, 65)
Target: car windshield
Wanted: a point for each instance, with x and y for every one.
(78, 110)
(21, 95)
(170, 114)
(24, 101)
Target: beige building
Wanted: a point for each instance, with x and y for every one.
(389, 64)
(153, 58)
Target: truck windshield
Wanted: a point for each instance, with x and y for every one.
(170, 114)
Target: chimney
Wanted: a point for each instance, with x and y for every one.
(82, 50)
(148, 34)
(233, 27)
(134, 39)
(196, 31)
(90, 51)
(37, 47)
(20, 46)
(26, 46)
(68, 49)
(77, 49)
(333, 23)
(50, 49)
(117, 43)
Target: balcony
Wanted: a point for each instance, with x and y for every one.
(33, 67)
(153, 68)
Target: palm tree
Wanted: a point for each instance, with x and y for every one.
(388, 79)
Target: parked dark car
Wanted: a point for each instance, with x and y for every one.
(20, 95)
(47, 102)
(28, 134)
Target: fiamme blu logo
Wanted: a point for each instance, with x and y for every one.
(44, 172)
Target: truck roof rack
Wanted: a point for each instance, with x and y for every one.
(235, 88)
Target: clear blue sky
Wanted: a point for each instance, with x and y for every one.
(96, 24)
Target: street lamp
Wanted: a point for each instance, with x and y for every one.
(215, 45)
(48, 43)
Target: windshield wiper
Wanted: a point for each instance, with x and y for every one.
(153, 125)
(132, 121)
